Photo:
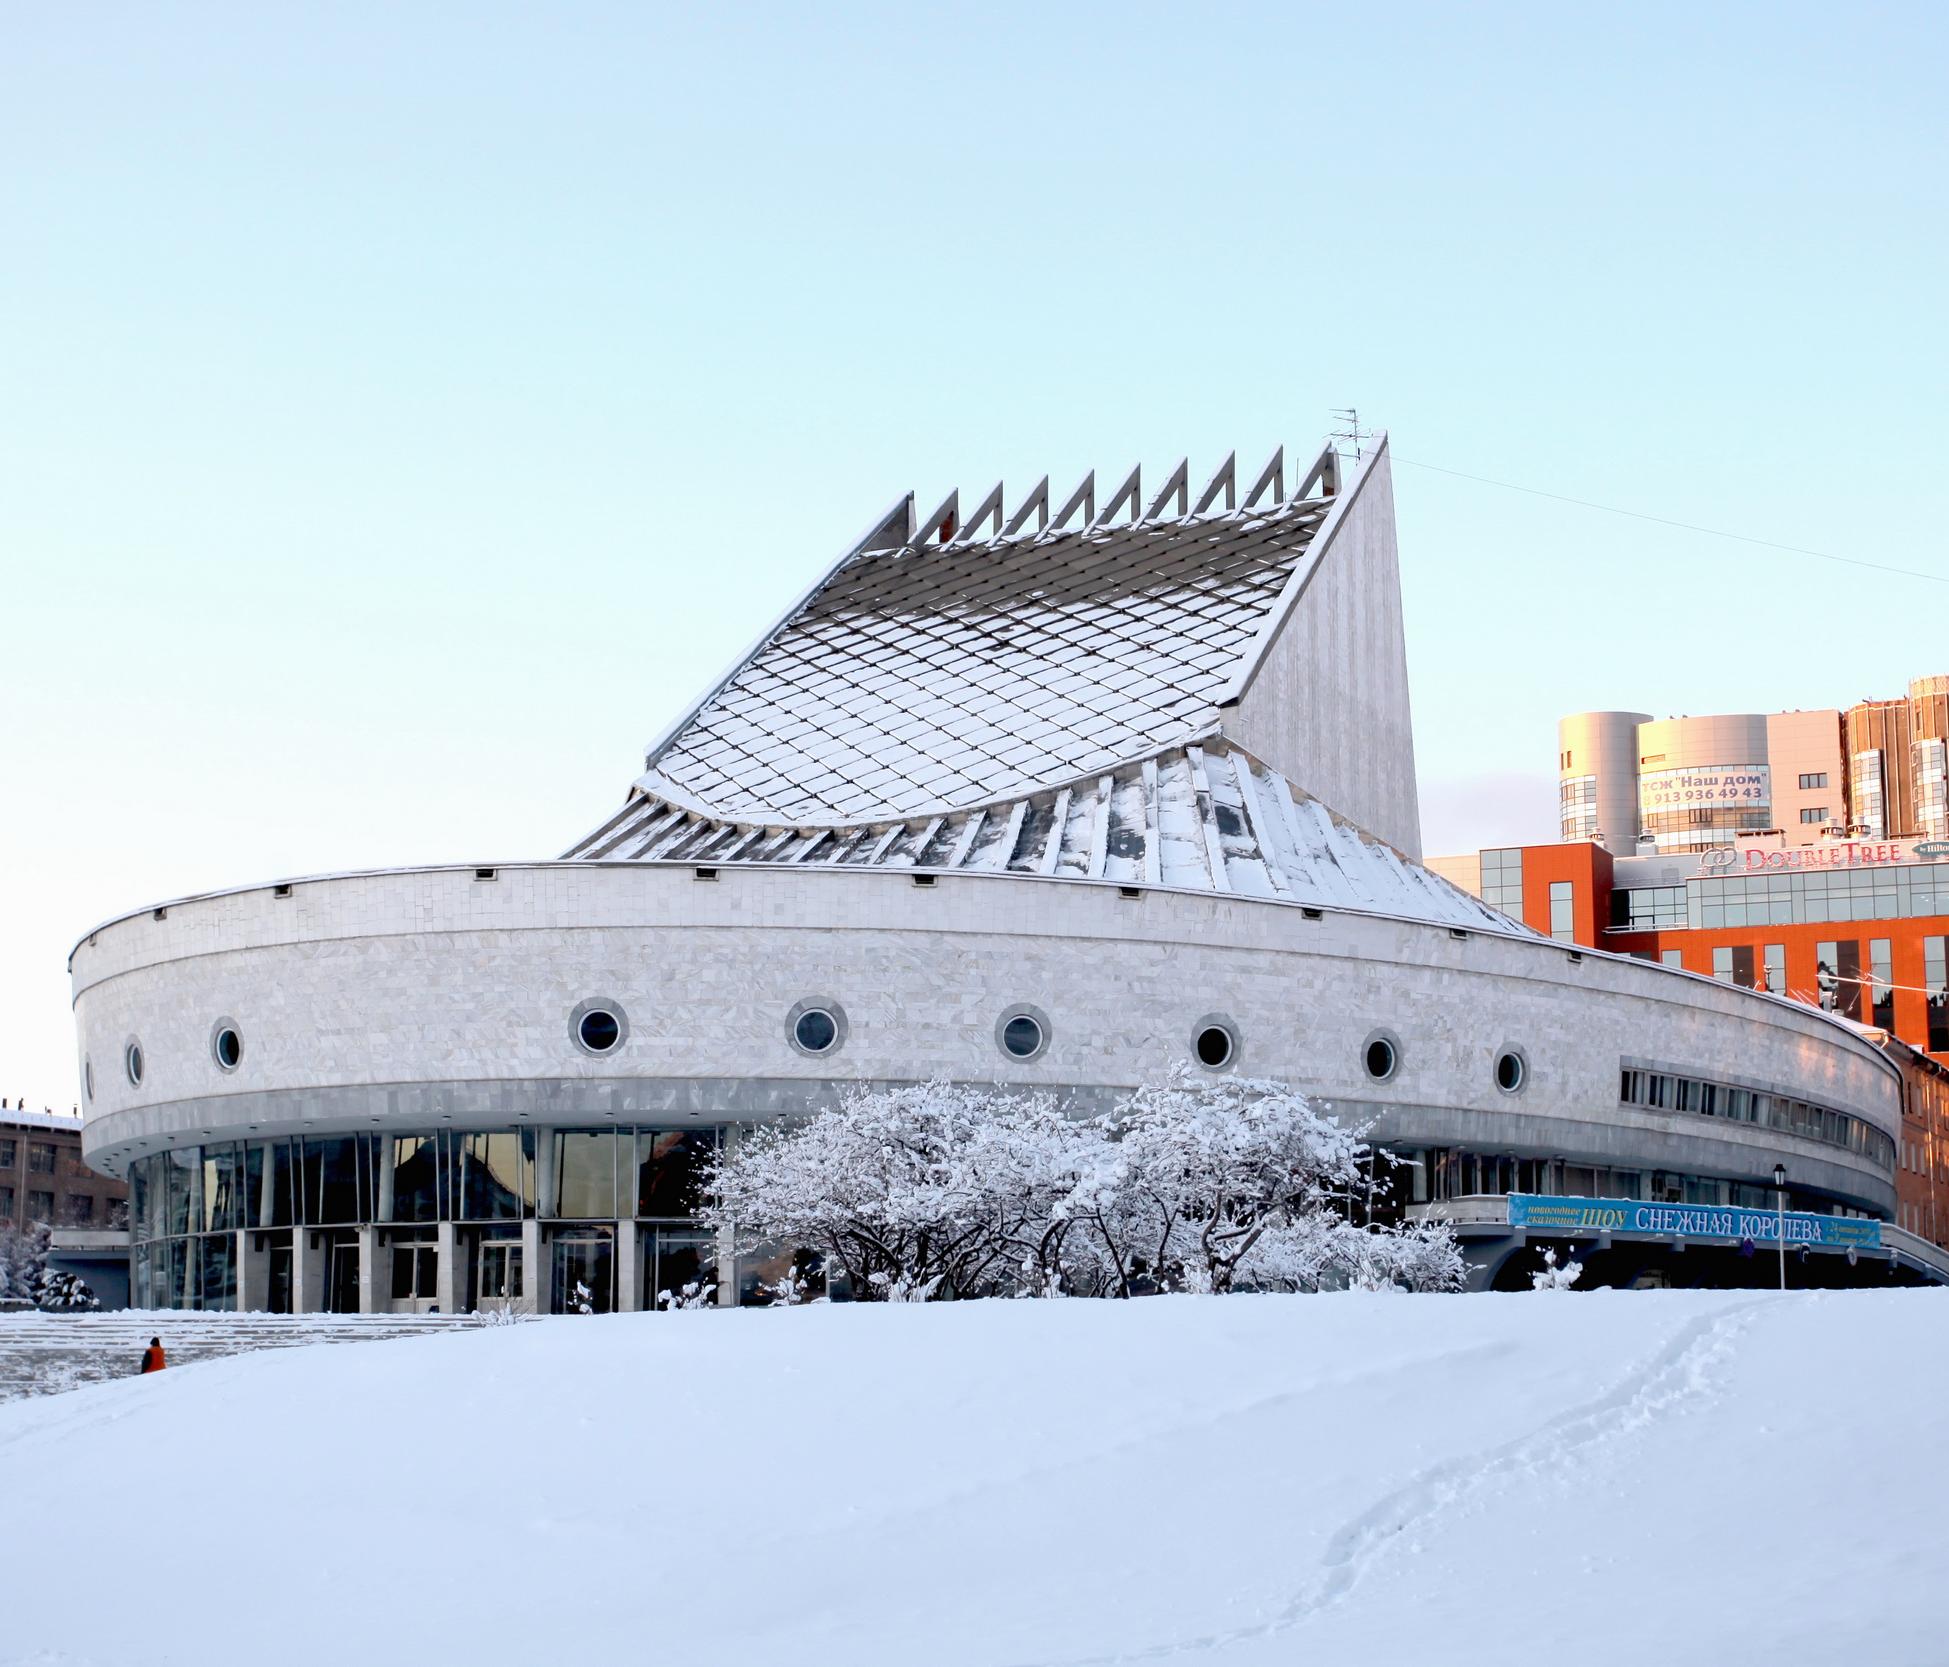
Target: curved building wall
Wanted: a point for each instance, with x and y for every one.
(1597, 773)
(416, 1002)
(1703, 780)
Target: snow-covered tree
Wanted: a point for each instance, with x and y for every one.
(934, 1187)
(1204, 1167)
(1555, 1275)
(943, 1190)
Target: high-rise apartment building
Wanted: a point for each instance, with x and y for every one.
(1638, 785)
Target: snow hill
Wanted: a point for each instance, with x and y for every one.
(1606, 1477)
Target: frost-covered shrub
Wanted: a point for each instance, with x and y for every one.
(695, 1293)
(1554, 1275)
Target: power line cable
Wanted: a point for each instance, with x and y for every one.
(1683, 526)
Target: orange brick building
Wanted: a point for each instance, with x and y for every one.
(1859, 928)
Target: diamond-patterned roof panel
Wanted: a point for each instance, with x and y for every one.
(941, 676)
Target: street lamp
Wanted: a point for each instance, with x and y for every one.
(1780, 1195)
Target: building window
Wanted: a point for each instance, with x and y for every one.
(1935, 977)
(40, 1207)
(816, 1027)
(1381, 1056)
(1214, 1041)
(1815, 814)
(6, 1154)
(1563, 911)
(226, 1046)
(1577, 807)
(599, 1027)
(1837, 973)
(1870, 805)
(1722, 963)
(1502, 881)
(1776, 968)
(1810, 780)
(1673, 957)
(1512, 1070)
(6, 1206)
(1023, 1033)
(1931, 771)
(40, 1157)
(80, 1209)
(1881, 970)
(132, 1063)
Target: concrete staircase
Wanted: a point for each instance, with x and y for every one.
(42, 1354)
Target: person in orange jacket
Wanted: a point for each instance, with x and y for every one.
(152, 1357)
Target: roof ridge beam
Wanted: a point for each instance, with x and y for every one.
(990, 508)
(1225, 476)
(1083, 498)
(1178, 483)
(1036, 500)
(1272, 475)
(1325, 474)
(1131, 492)
(943, 521)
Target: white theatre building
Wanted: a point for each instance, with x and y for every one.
(1057, 793)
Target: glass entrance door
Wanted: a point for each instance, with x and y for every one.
(277, 1293)
(584, 1269)
(342, 1287)
(499, 1279)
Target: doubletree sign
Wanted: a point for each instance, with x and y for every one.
(1796, 859)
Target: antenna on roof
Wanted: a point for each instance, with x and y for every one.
(1351, 431)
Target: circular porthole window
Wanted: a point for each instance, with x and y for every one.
(1381, 1055)
(599, 1027)
(88, 1077)
(132, 1063)
(1214, 1042)
(226, 1045)
(1023, 1033)
(817, 1027)
(1512, 1071)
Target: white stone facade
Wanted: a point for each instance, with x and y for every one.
(368, 1001)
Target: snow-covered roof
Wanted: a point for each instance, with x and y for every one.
(1196, 818)
(935, 670)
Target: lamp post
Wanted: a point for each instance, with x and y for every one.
(1780, 1232)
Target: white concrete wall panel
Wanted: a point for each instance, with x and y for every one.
(1329, 708)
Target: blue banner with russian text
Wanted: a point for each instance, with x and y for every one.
(1541, 1213)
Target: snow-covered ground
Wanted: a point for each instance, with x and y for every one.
(1606, 1477)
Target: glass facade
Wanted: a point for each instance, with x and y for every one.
(1935, 981)
(1563, 911)
(1667, 1091)
(1897, 891)
(1577, 808)
(1931, 764)
(190, 1208)
(1502, 881)
(1868, 783)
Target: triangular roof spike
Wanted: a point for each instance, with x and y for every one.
(1131, 493)
(1225, 476)
(1038, 500)
(890, 532)
(1272, 475)
(1325, 474)
(989, 509)
(1179, 484)
(942, 521)
(1083, 498)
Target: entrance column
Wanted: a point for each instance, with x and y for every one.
(374, 1297)
(629, 1299)
(307, 1271)
(253, 1272)
(534, 1277)
(446, 1282)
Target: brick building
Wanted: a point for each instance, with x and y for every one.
(43, 1178)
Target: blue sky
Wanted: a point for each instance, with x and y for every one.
(403, 411)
